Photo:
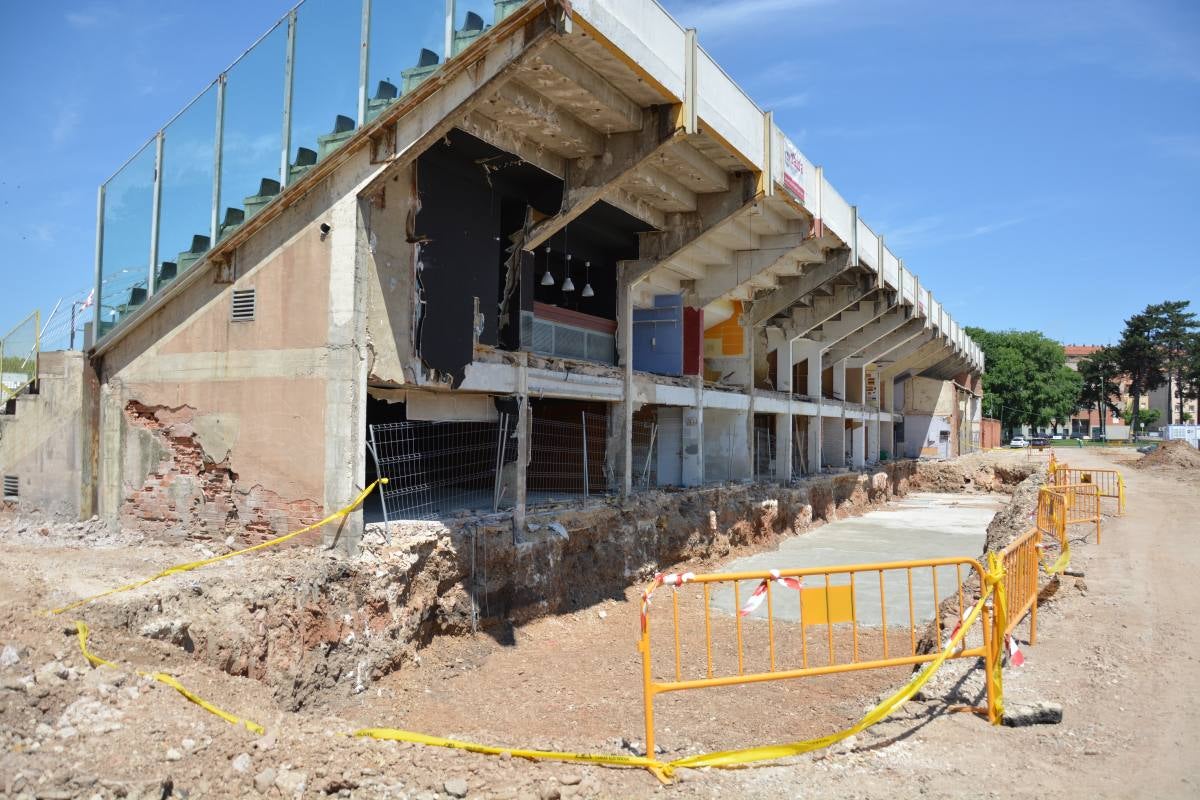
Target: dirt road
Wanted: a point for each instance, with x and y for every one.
(1117, 649)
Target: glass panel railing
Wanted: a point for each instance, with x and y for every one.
(252, 134)
(185, 215)
(125, 254)
(405, 48)
(324, 80)
(471, 19)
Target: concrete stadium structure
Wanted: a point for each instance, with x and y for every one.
(576, 218)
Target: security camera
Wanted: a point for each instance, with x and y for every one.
(325, 229)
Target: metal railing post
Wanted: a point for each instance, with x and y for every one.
(586, 481)
(99, 264)
(289, 61)
(364, 62)
(448, 53)
(155, 211)
(387, 528)
(214, 221)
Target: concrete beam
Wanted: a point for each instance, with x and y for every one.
(870, 333)
(912, 329)
(587, 180)
(848, 322)
(806, 319)
(791, 290)
(543, 121)
(682, 230)
(771, 251)
(590, 81)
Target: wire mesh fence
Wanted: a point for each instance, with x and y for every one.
(568, 457)
(437, 468)
(19, 356)
(765, 454)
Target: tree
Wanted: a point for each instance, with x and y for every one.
(1140, 357)
(1146, 417)
(1189, 382)
(1027, 381)
(1098, 373)
(1174, 331)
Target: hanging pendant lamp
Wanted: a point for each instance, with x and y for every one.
(587, 281)
(568, 284)
(547, 278)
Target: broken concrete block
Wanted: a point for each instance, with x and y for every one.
(1040, 713)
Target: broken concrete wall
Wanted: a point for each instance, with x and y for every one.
(390, 286)
(314, 626)
(41, 442)
(212, 427)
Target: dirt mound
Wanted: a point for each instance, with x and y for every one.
(1176, 453)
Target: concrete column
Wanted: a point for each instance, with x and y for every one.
(808, 350)
(346, 367)
(625, 356)
(749, 339)
(814, 444)
(783, 422)
(873, 445)
(524, 428)
(858, 445)
(833, 442)
(692, 468)
(839, 379)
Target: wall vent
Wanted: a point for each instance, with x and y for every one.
(243, 305)
(11, 487)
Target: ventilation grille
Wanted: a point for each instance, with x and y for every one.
(243, 305)
(11, 487)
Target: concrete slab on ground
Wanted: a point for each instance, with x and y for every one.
(919, 526)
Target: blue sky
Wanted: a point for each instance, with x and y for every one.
(1036, 164)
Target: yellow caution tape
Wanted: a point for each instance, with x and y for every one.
(737, 758)
(663, 770)
(188, 567)
(81, 630)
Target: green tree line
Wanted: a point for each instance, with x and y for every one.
(1027, 380)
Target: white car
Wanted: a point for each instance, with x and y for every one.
(1018, 441)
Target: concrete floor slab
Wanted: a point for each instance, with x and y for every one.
(920, 526)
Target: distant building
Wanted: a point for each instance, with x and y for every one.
(1169, 412)
(1086, 422)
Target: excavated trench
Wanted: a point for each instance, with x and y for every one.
(318, 627)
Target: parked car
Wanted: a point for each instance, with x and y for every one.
(1057, 437)
(1078, 436)
(1039, 441)
(1018, 441)
(1147, 448)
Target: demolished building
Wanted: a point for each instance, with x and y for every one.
(497, 252)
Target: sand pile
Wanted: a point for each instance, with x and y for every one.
(1177, 453)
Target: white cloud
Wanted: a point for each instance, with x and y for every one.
(80, 19)
(794, 100)
(715, 18)
(64, 124)
(1185, 146)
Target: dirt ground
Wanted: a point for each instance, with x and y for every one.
(1117, 648)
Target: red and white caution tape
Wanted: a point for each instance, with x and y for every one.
(958, 626)
(672, 579)
(1015, 657)
(760, 592)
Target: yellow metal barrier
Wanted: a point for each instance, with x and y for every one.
(1021, 560)
(853, 633)
(1110, 482)
(1082, 502)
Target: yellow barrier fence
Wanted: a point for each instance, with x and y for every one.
(1110, 482)
(725, 629)
(1082, 503)
(1021, 560)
